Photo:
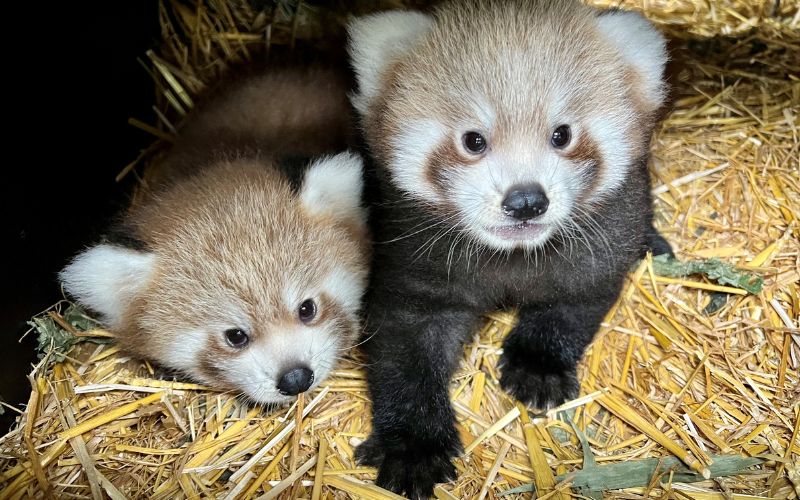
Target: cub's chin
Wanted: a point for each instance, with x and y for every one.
(526, 235)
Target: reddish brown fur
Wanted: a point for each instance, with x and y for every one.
(233, 213)
(443, 160)
(586, 153)
(229, 231)
(305, 111)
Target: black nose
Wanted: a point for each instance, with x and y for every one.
(525, 202)
(295, 381)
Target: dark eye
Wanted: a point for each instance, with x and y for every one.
(474, 142)
(307, 311)
(561, 136)
(236, 337)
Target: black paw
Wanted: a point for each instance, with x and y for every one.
(535, 380)
(658, 245)
(415, 475)
(408, 471)
(370, 452)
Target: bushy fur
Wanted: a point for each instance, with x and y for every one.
(513, 71)
(237, 235)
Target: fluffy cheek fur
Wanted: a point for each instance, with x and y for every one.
(197, 346)
(411, 150)
(612, 142)
(469, 192)
(478, 191)
(256, 369)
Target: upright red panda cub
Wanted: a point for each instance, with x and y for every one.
(510, 142)
(246, 266)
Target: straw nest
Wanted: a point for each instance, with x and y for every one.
(689, 377)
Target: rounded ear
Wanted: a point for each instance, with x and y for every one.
(375, 41)
(642, 47)
(333, 186)
(106, 278)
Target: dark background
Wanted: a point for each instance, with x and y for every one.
(72, 81)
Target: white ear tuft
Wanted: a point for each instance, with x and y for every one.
(106, 278)
(375, 41)
(642, 47)
(333, 186)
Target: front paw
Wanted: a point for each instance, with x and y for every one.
(412, 471)
(370, 452)
(658, 245)
(535, 380)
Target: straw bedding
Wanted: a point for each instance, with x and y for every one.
(688, 377)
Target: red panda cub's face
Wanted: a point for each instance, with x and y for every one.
(510, 119)
(254, 293)
(244, 284)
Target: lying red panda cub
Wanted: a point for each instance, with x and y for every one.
(510, 142)
(243, 270)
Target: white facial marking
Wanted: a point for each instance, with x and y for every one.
(412, 148)
(345, 287)
(608, 132)
(314, 347)
(183, 355)
(484, 112)
(257, 368)
(478, 192)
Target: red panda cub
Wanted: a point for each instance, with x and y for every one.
(510, 142)
(244, 269)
